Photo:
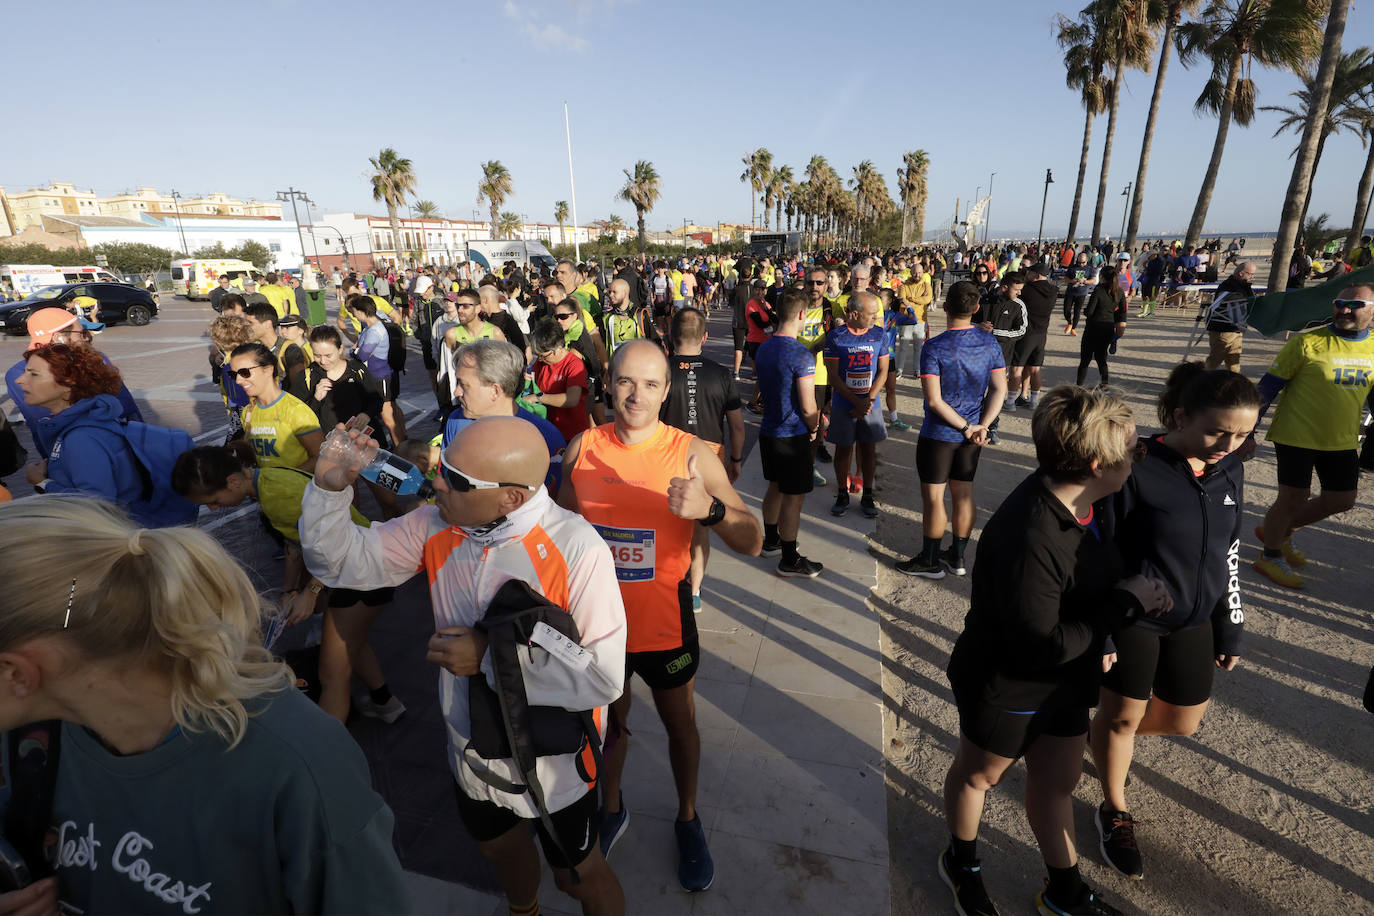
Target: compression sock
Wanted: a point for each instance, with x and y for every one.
(1064, 883)
(789, 552)
(1273, 553)
(960, 545)
(529, 909)
(381, 695)
(963, 852)
(770, 533)
(930, 549)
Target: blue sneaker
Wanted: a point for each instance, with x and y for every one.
(613, 826)
(695, 870)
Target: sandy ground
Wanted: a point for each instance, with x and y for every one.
(1267, 809)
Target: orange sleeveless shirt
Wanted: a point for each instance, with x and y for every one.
(623, 491)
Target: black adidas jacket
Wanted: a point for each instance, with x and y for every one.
(1185, 530)
(1044, 599)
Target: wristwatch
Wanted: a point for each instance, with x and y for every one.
(315, 588)
(716, 513)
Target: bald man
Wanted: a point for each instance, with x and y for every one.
(493, 521)
(647, 487)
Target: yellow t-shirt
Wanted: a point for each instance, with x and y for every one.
(812, 330)
(676, 279)
(282, 298)
(1329, 377)
(280, 493)
(275, 431)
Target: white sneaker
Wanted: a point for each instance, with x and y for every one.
(388, 712)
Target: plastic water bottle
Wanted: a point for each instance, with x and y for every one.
(397, 475)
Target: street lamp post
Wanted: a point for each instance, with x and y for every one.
(1049, 180)
(181, 230)
(293, 195)
(987, 214)
(1121, 239)
(685, 221)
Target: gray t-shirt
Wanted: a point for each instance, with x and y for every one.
(284, 822)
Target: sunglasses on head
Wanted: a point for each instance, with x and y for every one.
(247, 371)
(1352, 305)
(462, 483)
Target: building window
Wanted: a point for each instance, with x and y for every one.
(274, 246)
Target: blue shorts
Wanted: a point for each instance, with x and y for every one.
(845, 430)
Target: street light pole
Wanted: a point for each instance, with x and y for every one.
(684, 235)
(293, 195)
(987, 214)
(1049, 180)
(181, 230)
(1121, 239)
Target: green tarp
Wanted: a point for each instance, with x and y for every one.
(1293, 310)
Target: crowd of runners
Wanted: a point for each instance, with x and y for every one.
(562, 519)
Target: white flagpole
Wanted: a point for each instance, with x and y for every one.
(577, 246)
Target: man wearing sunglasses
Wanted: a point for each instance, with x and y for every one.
(1325, 376)
(493, 521)
(646, 487)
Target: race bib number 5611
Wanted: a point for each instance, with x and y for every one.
(632, 550)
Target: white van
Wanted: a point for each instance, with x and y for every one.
(491, 254)
(89, 274)
(25, 279)
(195, 278)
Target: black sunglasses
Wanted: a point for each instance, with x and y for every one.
(563, 316)
(247, 371)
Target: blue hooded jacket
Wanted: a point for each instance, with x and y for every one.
(33, 416)
(89, 460)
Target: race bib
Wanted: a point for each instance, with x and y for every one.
(858, 381)
(632, 549)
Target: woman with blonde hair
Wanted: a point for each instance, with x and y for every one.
(186, 770)
(1048, 586)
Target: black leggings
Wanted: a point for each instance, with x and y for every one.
(1097, 337)
(1073, 307)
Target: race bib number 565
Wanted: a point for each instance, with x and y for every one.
(632, 550)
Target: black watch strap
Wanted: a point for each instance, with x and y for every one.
(716, 513)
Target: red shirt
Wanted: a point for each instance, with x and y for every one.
(756, 308)
(569, 372)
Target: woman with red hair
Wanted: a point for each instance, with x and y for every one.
(88, 455)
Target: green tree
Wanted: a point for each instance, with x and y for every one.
(756, 168)
(494, 188)
(642, 190)
(1085, 61)
(1173, 14)
(33, 253)
(911, 180)
(255, 253)
(426, 209)
(1232, 35)
(560, 216)
(507, 225)
(781, 183)
(136, 257)
(393, 179)
(213, 252)
(817, 171)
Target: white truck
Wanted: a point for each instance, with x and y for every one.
(775, 245)
(25, 279)
(491, 254)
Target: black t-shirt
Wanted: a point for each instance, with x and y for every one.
(700, 394)
(739, 300)
(356, 391)
(1040, 297)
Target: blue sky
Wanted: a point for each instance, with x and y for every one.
(295, 92)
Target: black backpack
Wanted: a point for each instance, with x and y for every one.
(33, 753)
(504, 724)
(396, 347)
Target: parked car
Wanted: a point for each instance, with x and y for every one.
(118, 303)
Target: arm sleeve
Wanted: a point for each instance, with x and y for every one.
(343, 555)
(595, 604)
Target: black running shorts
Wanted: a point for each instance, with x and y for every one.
(666, 669)
(739, 334)
(1338, 472)
(938, 461)
(576, 825)
(347, 597)
(1009, 734)
(1029, 350)
(1176, 667)
(788, 462)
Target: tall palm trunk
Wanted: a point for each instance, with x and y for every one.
(1307, 199)
(1209, 180)
(1117, 80)
(395, 232)
(1361, 200)
(1305, 160)
(643, 239)
(906, 223)
(1082, 173)
(777, 214)
(1138, 195)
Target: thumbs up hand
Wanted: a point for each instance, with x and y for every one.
(687, 496)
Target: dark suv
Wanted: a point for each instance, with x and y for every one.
(118, 302)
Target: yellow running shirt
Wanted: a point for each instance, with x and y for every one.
(275, 431)
(814, 322)
(280, 491)
(1328, 378)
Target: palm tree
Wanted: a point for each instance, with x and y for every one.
(615, 225)
(1173, 14)
(641, 189)
(911, 184)
(560, 216)
(1363, 190)
(781, 184)
(392, 179)
(1345, 108)
(863, 185)
(1126, 29)
(1232, 35)
(816, 169)
(765, 186)
(507, 225)
(426, 209)
(494, 187)
(753, 176)
(1084, 62)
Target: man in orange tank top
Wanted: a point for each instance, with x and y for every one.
(646, 486)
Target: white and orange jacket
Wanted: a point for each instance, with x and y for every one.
(556, 551)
